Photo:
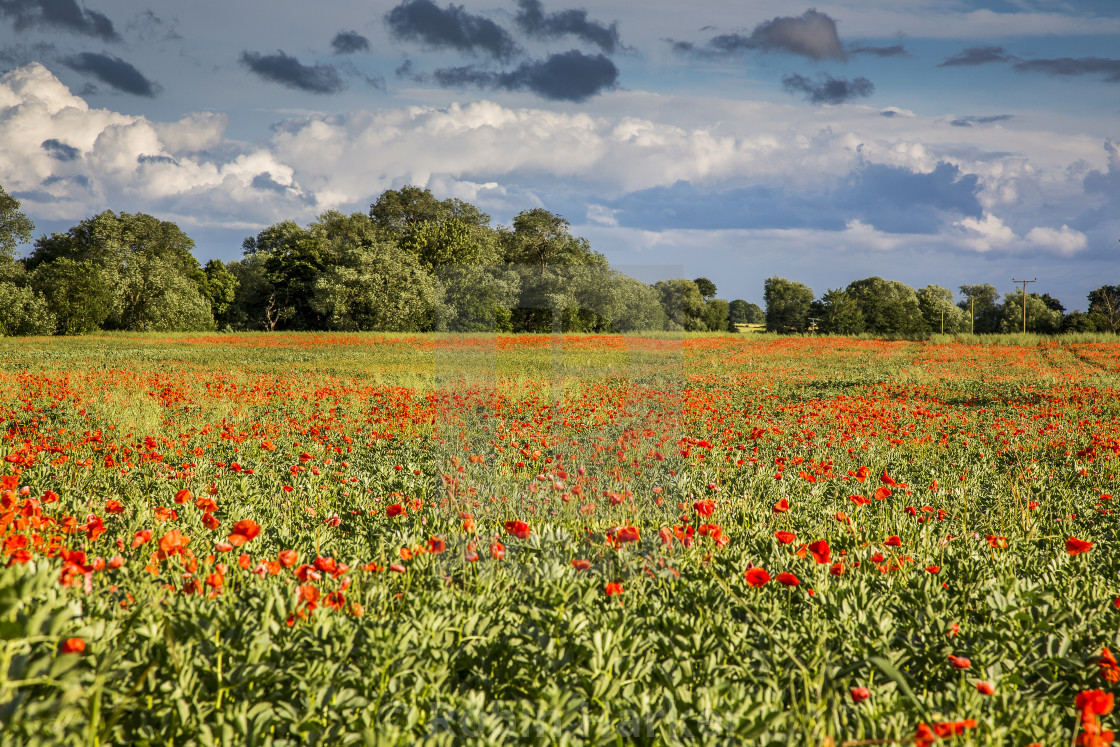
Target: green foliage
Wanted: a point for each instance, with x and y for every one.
(981, 308)
(1040, 318)
(76, 292)
(787, 306)
(1104, 307)
(716, 312)
(376, 286)
(147, 262)
(15, 227)
(839, 314)
(24, 312)
(707, 288)
(219, 287)
(397, 211)
(683, 304)
(939, 311)
(888, 307)
(744, 312)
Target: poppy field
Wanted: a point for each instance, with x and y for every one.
(386, 539)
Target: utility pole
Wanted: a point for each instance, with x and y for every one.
(942, 320)
(1024, 282)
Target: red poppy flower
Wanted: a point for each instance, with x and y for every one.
(436, 545)
(934, 569)
(173, 542)
(183, 496)
(210, 521)
(518, 529)
(395, 510)
(781, 506)
(757, 577)
(959, 662)
(1075, 546)
(581, 565)
(288, 558)
(859, 500)
(882, 493)
(497, 550)
(985, 688)
(1094, 703)
(613, 588)
(998, 543)
(243, 531)
(396, 567)
(785, 537)
(72, 646)
(860, 694)
(141, 537)
(787, 579)
(114, 507)
(893, 541)
(705, 507)
(820, 551)
(837, 569)
(470, 553)
(625, 534)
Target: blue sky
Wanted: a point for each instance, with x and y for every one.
(919, 140)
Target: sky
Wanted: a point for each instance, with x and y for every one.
(928, 141)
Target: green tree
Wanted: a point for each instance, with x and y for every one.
(707, 288)
(1104, 307)
(1079, 321)
(888, 307)
(15, 227)
(147, 262)
(683, 305)
(939, 311)
(980, 307)
(716, 312)
(555, 271)
(787, 305)
(396, 211)
(219, 287)
(1040, 319)
(76, 292)
(375, 286)
(744, 312)
(24, 312)
(839, 314)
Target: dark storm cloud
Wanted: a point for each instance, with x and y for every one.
(156, 159)
(288, 71)
(894, 200)
(897, 200)
(824, 89)
(978, 56)
(969, 121)
(60, 14)
(812, 34)
(894, 50)
(570, 76)
(61, 151)
(349, 42)
(264, 181)
(1109, 68)
(112, 71)
(449, 28)
(533, 21)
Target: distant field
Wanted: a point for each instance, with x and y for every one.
(366, 539)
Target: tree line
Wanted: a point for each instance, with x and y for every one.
(412, 263)
(416, 263)
(888, 308)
